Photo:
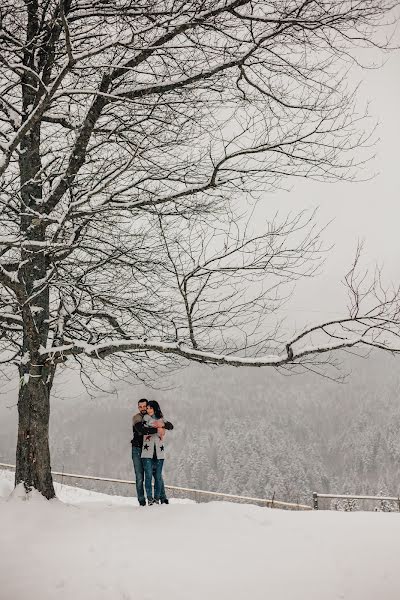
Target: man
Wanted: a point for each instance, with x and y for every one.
(139, 429)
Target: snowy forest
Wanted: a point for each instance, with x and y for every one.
(239, 431)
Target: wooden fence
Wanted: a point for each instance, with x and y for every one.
(270, 502)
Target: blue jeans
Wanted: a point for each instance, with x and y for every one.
(163, 495)
(153, 467)
(139, 473)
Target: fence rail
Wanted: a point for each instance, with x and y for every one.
(316, 497)
(271, 503)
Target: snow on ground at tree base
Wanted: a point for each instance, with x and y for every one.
(90, 546)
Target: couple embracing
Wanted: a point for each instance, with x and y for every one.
(148, 451)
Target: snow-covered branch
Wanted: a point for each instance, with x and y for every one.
(105, 349)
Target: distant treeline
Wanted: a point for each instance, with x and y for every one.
(244, 431)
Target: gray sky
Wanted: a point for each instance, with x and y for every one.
(366, 210)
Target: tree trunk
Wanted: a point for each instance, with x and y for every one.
(33, 467)
(36, 377)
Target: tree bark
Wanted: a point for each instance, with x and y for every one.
(33, 467)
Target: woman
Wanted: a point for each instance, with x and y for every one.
(153, 451)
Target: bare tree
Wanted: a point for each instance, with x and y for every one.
(131, 134)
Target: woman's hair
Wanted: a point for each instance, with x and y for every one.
(157, 410)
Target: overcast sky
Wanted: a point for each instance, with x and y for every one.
(367, 210)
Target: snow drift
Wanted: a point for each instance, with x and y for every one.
(90, 546)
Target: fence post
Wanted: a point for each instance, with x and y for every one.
(315, 501)
(272, 501)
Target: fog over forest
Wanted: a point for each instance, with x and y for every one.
(240, 431)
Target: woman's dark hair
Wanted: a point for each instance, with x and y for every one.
(157, 410)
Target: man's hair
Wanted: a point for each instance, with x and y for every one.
(142, 400)
(157, 410)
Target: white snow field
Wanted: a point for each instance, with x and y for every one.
(89, 546)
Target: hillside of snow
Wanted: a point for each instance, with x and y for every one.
(90, 546)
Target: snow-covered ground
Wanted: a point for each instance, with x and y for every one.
(89, 546)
